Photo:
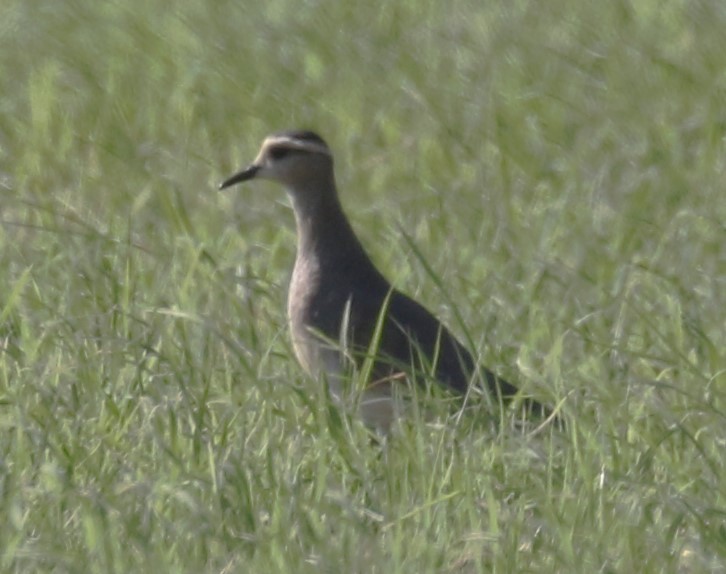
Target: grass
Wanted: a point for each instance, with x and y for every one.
(560, 167)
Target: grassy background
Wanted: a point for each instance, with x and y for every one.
(560, 166)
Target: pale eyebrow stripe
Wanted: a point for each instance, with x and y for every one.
(297, 144)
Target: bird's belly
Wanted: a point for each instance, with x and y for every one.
(326, 361)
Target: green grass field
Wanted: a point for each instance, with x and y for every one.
(560, 166)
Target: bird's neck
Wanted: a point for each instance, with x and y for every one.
(325, 238)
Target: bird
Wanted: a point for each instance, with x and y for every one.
(343, 314)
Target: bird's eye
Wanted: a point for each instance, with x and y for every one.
(279, 152)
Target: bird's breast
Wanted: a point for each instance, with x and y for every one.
(315, 306)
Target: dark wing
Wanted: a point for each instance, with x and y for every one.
(454, 365)
(411, 335)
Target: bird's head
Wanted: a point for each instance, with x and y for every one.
(297, 159)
